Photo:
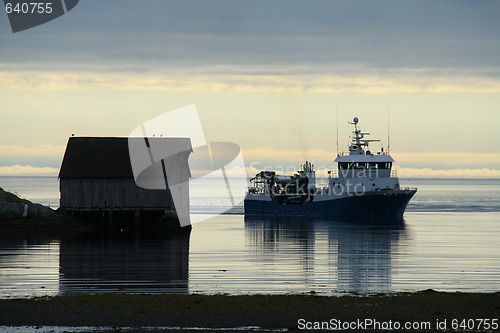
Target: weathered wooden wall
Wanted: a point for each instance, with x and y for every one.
(111, 194)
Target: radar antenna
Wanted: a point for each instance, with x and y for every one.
(388, 126)
(357, 141)
(337, 128)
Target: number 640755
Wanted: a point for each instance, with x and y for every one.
(29, 8)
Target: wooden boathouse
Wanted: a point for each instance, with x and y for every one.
(97, 181)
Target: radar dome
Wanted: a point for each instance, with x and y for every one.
(355, 119)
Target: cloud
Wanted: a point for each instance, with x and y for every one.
(283, 46)
(45, 150)
(448, 173)
(45, 155)
(260, 157)
(27, 170)
(251, 171)
(446, 160)
(240, 79)
(401, 172)
(382, 34)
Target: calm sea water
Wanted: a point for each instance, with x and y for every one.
(449, 241)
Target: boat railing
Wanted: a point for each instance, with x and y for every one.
(369, 172)
(257, 190)
(346, 153)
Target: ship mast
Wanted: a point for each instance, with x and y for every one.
(356, 147)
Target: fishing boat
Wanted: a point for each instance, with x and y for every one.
(364, 186)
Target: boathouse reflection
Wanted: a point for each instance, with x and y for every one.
(125, 262)
(345, 256)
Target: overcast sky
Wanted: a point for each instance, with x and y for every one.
(267, 75)
(283, 37)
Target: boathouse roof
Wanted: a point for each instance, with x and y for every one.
(101, 157)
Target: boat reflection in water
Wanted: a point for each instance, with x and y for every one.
(350, 256)
(125, 262)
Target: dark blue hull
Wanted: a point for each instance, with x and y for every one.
(378, 205)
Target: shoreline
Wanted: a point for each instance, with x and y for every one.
(263, 311)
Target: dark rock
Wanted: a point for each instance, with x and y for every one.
(12, 207)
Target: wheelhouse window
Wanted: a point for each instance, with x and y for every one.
(363, 165)
(384, 165)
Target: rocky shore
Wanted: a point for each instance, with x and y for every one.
(275, 313)
(23, 217)
(14, 207)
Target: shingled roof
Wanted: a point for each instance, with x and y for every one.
(96, 157)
